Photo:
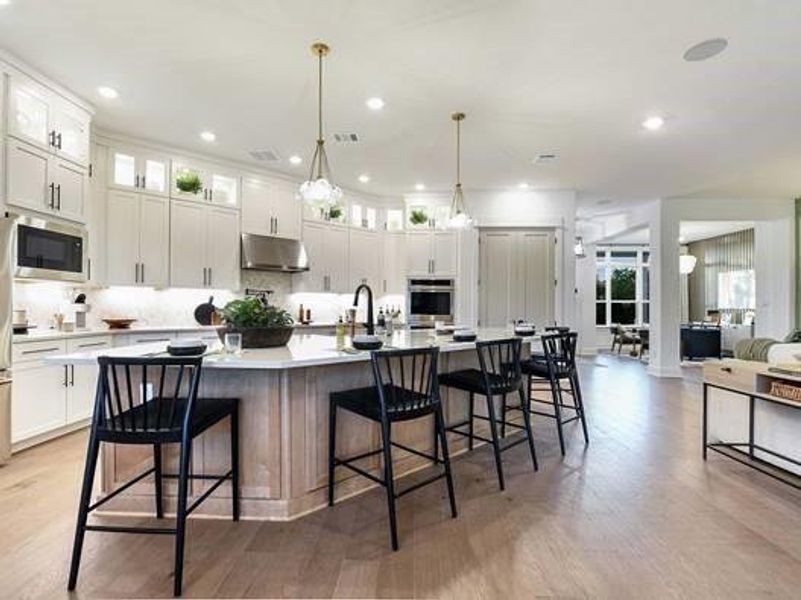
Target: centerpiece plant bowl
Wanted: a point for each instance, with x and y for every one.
(261, 325)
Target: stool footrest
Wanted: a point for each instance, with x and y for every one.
(120, 529)
(417, 452)
(420, 484)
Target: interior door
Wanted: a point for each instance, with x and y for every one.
(154, 236)
(497, 278)
(188, 245)
(516, 277)
(122, 233)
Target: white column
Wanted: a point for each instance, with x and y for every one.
(774, 269)
(665, 291)
(585, 302)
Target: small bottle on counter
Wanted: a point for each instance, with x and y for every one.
(381, 323)
(308, 316)
(340, 331)
(390, 322)
(301, 314)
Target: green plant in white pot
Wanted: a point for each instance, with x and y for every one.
(261, 325)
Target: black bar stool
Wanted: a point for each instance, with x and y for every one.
(499, 375)
(405, 389)
(558, 364)
(156, 410)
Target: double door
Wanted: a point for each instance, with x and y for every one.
(137, 239)
(204, 246)
(516, 277)
(139, 170)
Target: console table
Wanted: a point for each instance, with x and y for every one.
(741, 393)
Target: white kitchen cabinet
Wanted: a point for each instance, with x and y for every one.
(327, 247)
(137, 229)
(43, 182)
(431, 253)
(222, 248)
(82, 379)
(204, 246)
(44, 119)
(393, 264)
(364, 259)
(38, 396)
(138, 170)
(270, 208)
(223, 187)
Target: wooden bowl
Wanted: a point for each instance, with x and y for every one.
(119, 323)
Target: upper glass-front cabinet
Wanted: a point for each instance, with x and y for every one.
(224, 190)
(40, 117)
(205, 183)
(138, 170)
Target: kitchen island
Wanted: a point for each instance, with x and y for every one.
(283, 427)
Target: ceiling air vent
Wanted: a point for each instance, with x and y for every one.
(266, 155)
(346, 138)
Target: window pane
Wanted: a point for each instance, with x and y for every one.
(624, 313)
(624, 284)
(736, 289)
(646, 283)
(600, 283)
(646, 313)
(600, 313)
(626, 257)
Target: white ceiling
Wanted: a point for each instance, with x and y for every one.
(689, 231)
(574, 78)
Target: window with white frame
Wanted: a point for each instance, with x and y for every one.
(622, 286)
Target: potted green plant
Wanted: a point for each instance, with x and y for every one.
(418, 217)
(189, 181)
(261, 325)
(335, 213)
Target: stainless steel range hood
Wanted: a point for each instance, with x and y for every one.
(266, 253)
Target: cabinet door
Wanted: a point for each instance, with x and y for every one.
(28, 112)
(336, 258)
(444, 253)
(418, 253)
(122, 171)
(393, 267)
(188, 265)
(154, 240)
(154, 172)
(257, 217)
(316, 278)
(38, 400)
(222, 248)
(223, 188)
(71, 126)
(27, 178)
(184, 175)
(69, 181)
(83, 379)
(286, 211)
(364, 259)
(122, 238)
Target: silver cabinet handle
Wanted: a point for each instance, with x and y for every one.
(211, 194)
(91, 344)
(142, 272)
(58, 197)
(210, 277)
(204, 276)
(72, 375)
(89, 269)
(52, 187)
(136, 272)
(58, 141)
(52, 137)
(40, 351)
(136, 182)
(66, 376)
(143, 182)
(276, 225)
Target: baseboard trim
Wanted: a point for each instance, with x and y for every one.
(665, 372)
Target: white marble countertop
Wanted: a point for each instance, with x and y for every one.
(44, 335)
(303, 350)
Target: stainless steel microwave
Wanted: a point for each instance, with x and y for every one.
(50, 250)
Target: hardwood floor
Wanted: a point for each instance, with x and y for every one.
(637, 514)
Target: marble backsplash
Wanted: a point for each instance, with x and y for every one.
(175, 307)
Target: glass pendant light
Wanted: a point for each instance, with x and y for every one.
(459, 219)
(319, 191)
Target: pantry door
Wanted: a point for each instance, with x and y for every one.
(516, 277)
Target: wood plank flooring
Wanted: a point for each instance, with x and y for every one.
(637, 514)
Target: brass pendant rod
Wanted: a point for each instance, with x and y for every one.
(458, 153)
(320, 110)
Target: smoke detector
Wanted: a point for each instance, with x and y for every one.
(346, 138)
(544, 159)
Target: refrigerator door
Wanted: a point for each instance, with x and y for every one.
(6, 281)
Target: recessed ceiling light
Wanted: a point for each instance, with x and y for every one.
(522, 186)
(420, 186)
(706, 50)
(364, 178)
(375, 103)
(654, 123)
(208, 136)
(105, 91)
(5, 2)
(295, 159)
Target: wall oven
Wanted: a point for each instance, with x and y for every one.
(50, 250)
(429, 300)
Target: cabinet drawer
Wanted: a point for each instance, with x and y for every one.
(731, 374)
(30, 351)
(89, 344)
